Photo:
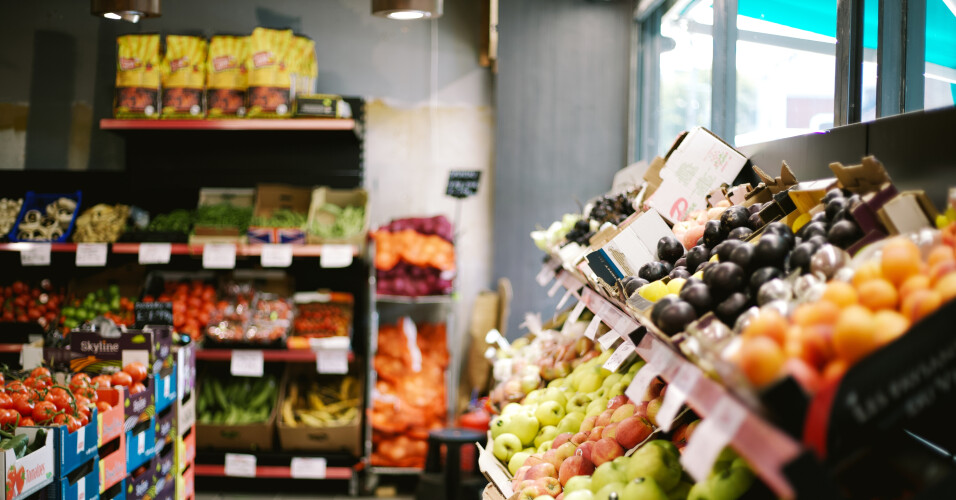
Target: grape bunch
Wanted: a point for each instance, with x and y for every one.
(581, 233)
(612, 208)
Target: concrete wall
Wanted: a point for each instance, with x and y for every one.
(562, 104)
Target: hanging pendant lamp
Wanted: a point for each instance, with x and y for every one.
(126, 10)
(407, 9)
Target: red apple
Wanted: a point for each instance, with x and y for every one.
(524, 483)
(541, 470)
(531, 492)
(575, 466)
(654, 389)
(555, 456)
(604, 418)
(605, 450)
(577, 438)
(561, 439)
(535, 459)
(682, 434)
(616, 402)
(520, 475)
(622, 412)
(551, 485)
(632, 431)
(560, 496)
(596, 433)
(588, 423)
(610, 430)
(585, 450)
(654, 406)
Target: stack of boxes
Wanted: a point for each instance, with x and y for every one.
(76, 461)
(185, 434)
(111, 444)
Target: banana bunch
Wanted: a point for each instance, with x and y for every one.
(328, 402)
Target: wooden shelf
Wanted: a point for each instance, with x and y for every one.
(328, 124)
(270, 471)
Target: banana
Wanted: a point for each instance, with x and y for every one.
(325, 403)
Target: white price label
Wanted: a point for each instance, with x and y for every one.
(564, 299)
(81, 488)
(677, 390)
(91, 254)
(334, 256)
(573, 316)
(240, 464)
(334, 361)
(554, 289)
(276, 256)
(638, 388)
(308, 468)
(592, 328)
(246, 363)
(219, 256)
(154, 253)
(711, 436)
(141, 443)
(545, 275)
(81, 440)
(35, 254)
(31, 356)
(166, 386)
(621, 354)
(608, 339)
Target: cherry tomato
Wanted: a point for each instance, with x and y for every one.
(23, 404)
(122, 378)
(59, 418)
(40, 370)
(83, 402)
(136, 388)
(136, 370)
(102, 381)
(58, 391)
(6, 402)
(27, 422)
(102, 406)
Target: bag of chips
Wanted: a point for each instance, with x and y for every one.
(270, 81)
(184, 74)
(227, 76)
(137, 77)
(303, 66)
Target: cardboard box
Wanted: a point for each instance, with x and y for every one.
(114, 492)
(186, 483)
(273, 197)
(321, 106)
(166, 489)
(151, 346)
(37, 468)
(78, 487)
(165, 387)
(74, 449)
(236, 197)
(339, 439)
(186, 449)
(164, 466)
(342, 198)
(165, 427)
(695, 165)
(141, 486)
(186, 366)
(112, 465)
(908, 212)
(109, 424)
(634, 245)
(185, 414)
(237, 437)
(140, 444)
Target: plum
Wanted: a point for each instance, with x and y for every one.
(743, 256)
(831, 194)
(770, 250)
(714, 233)
(731, 307)
(698, 296)
(660, 305)
(669, 249)
(632, 283)
(763, 275)
(755, 222)
(734, 217)
(695, 257)
(675, 317)
(782, 230)
(800, 256)
(740, 233)
(834, 207)
(724, 249)
(725, 279)
(652, 271)
(812, 229)
(844, 233)
(679, 272)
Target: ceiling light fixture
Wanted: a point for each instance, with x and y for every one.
(126, 10)
(407, 9)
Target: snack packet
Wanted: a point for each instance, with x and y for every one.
(227, 76)
(137, 77)
(270, 81)
(184, 74)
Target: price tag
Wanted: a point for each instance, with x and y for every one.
(335, 256)
(545, 275)
(154, 253)
(592, 329)
(711, 436)
(246, 363)
(677, 391)
(642, 380)
(308, 468)
(332, 361)
(621, 354)
(31, 356)
(80, 440)
(91, 254)
(141, 443)
(554, 289)
(35, 254)
(573, 316)
(81, 488)
(240, 465)
(166, 386)
(276, 256)
(564, 299)
(608, 339)
(219, 256)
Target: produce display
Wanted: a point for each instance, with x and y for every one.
(177, 221)
(281, 218)
(235, 400)
(415, 257)
(321, 401)
(23, 303)
(335, 222)
(9, 211)
(193, 305)
(45, 221)
(223, 215)
(410, 362)
(101, 224)
(324, 319)
(106, 302)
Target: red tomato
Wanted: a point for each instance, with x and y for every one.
(6, 402)
(8, 418)
(137, 388)
(40, 370)
(22, 403)
(27, 422)
(102, 381)
(61, 401)
(79, 380)
(15, 386)
(83, 403)
(122, 378)
(83, 420)
(136, 370)
(44, 411)
(102, 406)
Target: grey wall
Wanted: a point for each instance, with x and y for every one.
(562, 106)
(60, 59)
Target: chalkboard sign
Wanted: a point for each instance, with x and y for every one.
(153, 313)
(462, 183)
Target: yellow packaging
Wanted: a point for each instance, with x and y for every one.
(137, 77)
(227, 76)
(270, 71)
(184, 74)
(304, 68)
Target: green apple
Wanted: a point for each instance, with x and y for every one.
(601, 392)
(580, 495)
(643, 488)
(498, 426)
(654, 461)
(547, 433)
(555, 394)
(617, 389)
(571, 422)
(530, 382)
(510, 409)
(602, 358)
(524, 425)
(558, 382)
(605, 492)
(577, 483)
(544, 497)
(724, 460)
(681, 491)
(506, 445)
(534, 397)
(529, 449)
(549, 413)
(633, 369)
(730, 484)
(605, 474)
(590, 382)
(700, 491)
(596, 406)
(517, 460)
(668, 446)
(545, 446)
(578, 402)
(611, 380)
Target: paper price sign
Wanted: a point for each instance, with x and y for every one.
(592, 328)
(621, 354)
(308, 468)
(219, 256)
(334, 361)
(335, 256)
(154, 253)
(91, 254)
(608, 339)
(276, 256)
(240, 465)
(35, 254)
(564, 299)
(80, 441)
(246, 363)
(642, 380)
(573, 316)
(554, 289)
(711, 436)
(545, 275)
(677, 391)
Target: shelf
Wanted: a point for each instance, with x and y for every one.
(329, 124)
(428, 299)
(11, 348)
(268, 355)
(768, 449)
(271, 471)
(176, 249)
(395, 471)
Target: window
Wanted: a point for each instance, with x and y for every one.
(685, 67)
(940, 70)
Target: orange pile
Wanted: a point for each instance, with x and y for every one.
(412, 247)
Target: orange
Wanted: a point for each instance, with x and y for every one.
(913, 283)
(900, 260)
(878, 294)
(761, 360)
(854, 335)
(816, 345)
(946, 287)
(816, 313)
(920, 303)
(867, 271)
(940, 253)
(840, 293)
(769, 323)
(891, 325)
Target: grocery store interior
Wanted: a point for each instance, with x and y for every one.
(478, 249)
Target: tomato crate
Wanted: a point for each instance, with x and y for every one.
(140, 444)
(165, 489)
(73, 449)
(81, 484)
(141, 482)
(112, 466)
(164, 464)
(31, 473)
(109, 424)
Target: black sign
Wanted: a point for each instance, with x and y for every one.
(153, 313)
(462, 183)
